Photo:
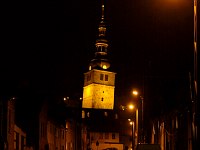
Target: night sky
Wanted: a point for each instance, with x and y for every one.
(48, 46)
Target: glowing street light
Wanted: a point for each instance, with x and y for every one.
(131, 106)
(134, 136)
(135, 92)
(141, 136)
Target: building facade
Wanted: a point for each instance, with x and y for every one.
(7, 124)
(19, 139)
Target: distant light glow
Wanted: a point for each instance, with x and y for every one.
(131, 106)
(135, 92)
(65, 98)
(131, 123)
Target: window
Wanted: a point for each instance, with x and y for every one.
(63, 134)
(88, 77)
(106, 77)
(103, 49)
(88, 114)
(101, 76)
(98, 48)
(105, 113)
(41, 129)
(62, 148)
(83, 114)
(106, 135)
(92, 138)
(116, 116)
(59, 133)
(113, 135)
(51, 129)
(22, 142)
(9, 120)
(100, 135)
(17, 141)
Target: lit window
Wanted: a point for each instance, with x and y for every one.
(116, 116)
(88, 114)
(105, 113)
(83, 114)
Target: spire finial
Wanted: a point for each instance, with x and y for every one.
(102, 11)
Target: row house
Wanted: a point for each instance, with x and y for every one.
(101, 130)
(12, 136)
(38, 124)
(173, 131)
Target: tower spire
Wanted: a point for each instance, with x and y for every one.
(100, 60)
(102, 12)
(99, 82)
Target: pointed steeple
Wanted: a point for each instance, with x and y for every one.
(100, 60)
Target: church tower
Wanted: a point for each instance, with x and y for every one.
(99, 81)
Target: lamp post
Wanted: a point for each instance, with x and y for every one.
(195, 102)
(140, 132)
(134, 130)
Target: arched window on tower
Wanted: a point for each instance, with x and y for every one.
(83, 114)
(88, 114)
(103, 49)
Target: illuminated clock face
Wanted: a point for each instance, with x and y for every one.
(104, 67)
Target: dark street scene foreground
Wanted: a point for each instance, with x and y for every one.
(100, 75)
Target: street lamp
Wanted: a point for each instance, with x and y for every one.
(141, 134)
(135, 92)
(131, 107)
(134, 132)
(195, 103)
